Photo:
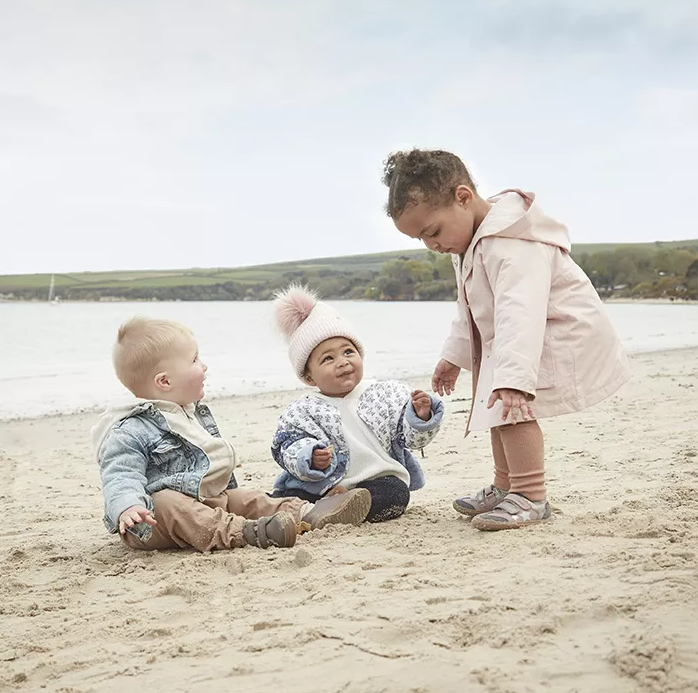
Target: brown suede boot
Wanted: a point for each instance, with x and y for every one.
(278, 530)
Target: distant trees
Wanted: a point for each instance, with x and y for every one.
(651, 271)
(641, 271)
(414, 280)
(692, 280)
(648, 271)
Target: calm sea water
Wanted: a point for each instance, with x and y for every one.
(57, 358)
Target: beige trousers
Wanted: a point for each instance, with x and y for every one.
(215, 523)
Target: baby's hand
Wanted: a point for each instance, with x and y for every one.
(444, 378)
(513, 401)
(422, 404)
(133, 515)
(336, 491)
(322, 458)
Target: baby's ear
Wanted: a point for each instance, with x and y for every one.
(162, 382)
(309, 379)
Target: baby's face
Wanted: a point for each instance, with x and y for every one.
(335, 367)
(184, 373)
(444, 229)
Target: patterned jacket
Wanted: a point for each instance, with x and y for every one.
(312, 423)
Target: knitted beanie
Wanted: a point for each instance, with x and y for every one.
(306, 321)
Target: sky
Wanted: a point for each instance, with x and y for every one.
(145, 134)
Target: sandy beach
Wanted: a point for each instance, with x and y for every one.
(602, 599)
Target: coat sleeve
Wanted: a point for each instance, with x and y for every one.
(520, 273)
(393, 409)
(418, 433)
(122, 465)
(456, 349)
(297, 436)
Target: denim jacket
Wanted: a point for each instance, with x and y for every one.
(138, 454)
(311, 423)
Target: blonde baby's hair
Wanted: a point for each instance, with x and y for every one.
(141, 344)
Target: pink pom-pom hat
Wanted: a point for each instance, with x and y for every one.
(305, 321)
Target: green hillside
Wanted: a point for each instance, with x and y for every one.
(356, 276)
(190, 277)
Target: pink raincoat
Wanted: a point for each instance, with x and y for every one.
(529, 319)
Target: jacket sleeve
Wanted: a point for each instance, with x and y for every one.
(456, 349)
(520, 273)
(122, 463)
(418, 433)
(406, 426)
(295, 440)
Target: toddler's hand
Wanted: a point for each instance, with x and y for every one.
(422, 404)
(513, 401)
(336, 491)
(444, 378)
(322, 458)
(133, 515)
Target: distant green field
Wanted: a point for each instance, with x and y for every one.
(260, 273)
(190, 277)
(590, 248)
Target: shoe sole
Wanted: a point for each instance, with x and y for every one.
(352, 512)
(494, 526)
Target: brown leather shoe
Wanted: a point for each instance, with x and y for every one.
(278, 530)
(350, 508)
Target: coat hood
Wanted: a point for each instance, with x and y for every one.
(112, 416)
(515, 214)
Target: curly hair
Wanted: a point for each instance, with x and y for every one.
(422, 175)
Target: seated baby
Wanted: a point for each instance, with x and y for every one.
(349, 434)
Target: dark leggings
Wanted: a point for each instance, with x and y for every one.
(389, 497)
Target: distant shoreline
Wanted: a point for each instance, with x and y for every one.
(647, 301)
(650, 301)
(284, 392)
(645, 270)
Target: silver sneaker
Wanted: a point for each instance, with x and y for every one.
(513, 512)
(483, 501)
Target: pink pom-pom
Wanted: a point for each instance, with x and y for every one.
(292, 307)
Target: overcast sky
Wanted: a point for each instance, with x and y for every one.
(173, 133)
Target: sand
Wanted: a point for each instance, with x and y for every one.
(603, 598)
